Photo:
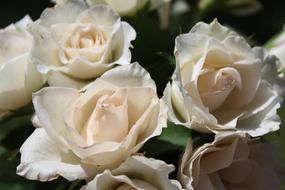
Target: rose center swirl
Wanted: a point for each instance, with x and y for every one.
(216, 85)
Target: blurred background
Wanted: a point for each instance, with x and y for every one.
(258, 23)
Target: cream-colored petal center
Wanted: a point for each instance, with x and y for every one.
(215, 85)
(109, 119)
(88, 42)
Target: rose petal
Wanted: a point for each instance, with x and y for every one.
(12, 83)
(100, 14)
(155, 172)
(61, 80)
(130, 75)
(214, 87)
(42, 160)
(33, 79)
(15, 40)
(250, 73)
(238, 47)
(106, 180)
(135, 108)
(66, 13)
(122, 55)
(45, 58)
(109, 120)
(50, 103)
(137, 172)
(175, 105)
(270, 70)
(214, 29)
(144, 128)
(263, 116)
(188, 48)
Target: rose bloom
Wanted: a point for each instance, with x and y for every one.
(75, 44)
(86, 131)
(129, 7)
(137, 172)
(232, 161)
(18, 77)
(220, 84)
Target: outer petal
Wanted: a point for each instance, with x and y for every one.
(18, 77)
(263, 117)
(42, 160)
(124, 39)
(278, 49)
(50, 104)
(214, 29)
(270, 68)
(102, 15)
(106, 180)
(188, 49)
(15, 40)
(138, 172)
(66, 13)
(33, 79)
(186, 108)
(177, 109)
(239, 46)
(12, 83)
(183, 174)
(59, 79)
(44, 50)
(130, 75)
(153, 171)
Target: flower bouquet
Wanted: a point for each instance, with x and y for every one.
(112, 108)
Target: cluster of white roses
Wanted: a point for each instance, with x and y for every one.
(100, 108)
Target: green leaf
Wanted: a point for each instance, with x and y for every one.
(175, 134)
(173, 139)
(155, 147)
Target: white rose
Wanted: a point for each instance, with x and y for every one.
(74, 44)
(18, 77)
(137, 172)
(84, 132)
(129, 7)
(278, 48)
(232, 161)
(220, 83)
